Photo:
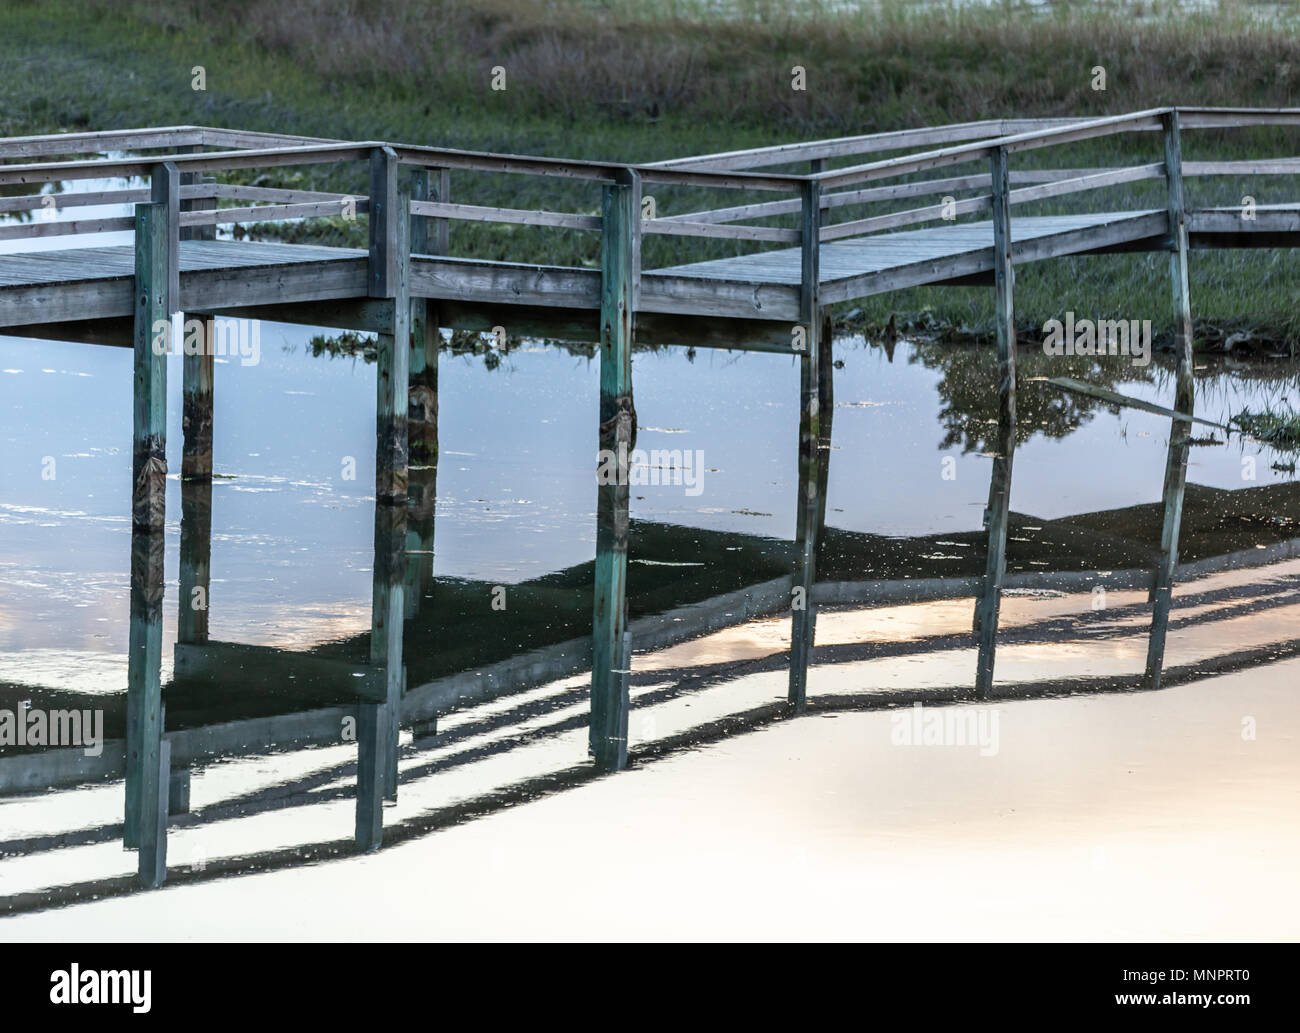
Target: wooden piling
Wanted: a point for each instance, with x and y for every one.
(620, 263)
(194, 599)
(144, 706)
(152, 867)
(997, 515)
(389, 265)
(196, 408)
(422, 398)
(196, 484)
(196, 451)
(390, 273)
(378, 723)
(156, 290)
(422, 428)
(1180, 431)
(808, 505)
(387, 615)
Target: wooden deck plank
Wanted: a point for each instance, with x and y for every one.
(880, 252)
(91, 283)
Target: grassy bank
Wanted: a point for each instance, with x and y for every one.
(637, 82)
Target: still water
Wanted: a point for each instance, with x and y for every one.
(292, 553)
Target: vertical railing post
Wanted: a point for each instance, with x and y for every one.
(620, 270)
(157, 227)
(1180, 431)
(997, 515)
(803, 613)
(196, 204)
(389, 262)
(440, 191)
(389, 275)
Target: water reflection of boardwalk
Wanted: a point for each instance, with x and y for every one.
(266, 811)
(406, 285)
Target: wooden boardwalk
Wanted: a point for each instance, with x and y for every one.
(805, 240)
(46, 288)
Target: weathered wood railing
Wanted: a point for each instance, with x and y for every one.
(1049, 183)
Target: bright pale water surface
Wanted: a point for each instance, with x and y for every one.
(1140, 817)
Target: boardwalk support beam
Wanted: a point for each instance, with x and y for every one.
(998, 514)
(803, 615)
(620, 265)
(1180, 430)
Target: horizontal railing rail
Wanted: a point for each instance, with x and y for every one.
(733, 170)
(871, 143)
(1138, 121)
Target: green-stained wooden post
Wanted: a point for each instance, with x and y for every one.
(620, 267)
(144, 706)
(156, 288)
(989, 604)
(389, 269)
(803, 621)
(1180, 431)
(390, 279)
(156, 293)
(152, 867)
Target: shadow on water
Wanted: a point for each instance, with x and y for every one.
(248, 748)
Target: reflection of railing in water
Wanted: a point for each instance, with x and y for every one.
(152, 780)
(181, 206)
(557, 716)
